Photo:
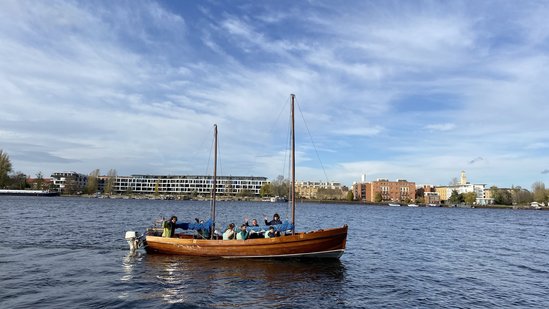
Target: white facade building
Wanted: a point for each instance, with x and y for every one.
(228, 185)
(169, 184)
(60, 180)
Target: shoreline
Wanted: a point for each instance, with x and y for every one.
(258, 199)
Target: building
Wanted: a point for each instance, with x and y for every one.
(319, 190)
(69, 182)
(431, 198)
(465, 187)
(400, 190)
(226, 185)
(162, 184)
(359, 191)
(389, 191)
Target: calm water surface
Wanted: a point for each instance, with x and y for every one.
(71, 252)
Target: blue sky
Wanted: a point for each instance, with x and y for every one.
(417, 90)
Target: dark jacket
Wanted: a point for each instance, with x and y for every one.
(273, 222)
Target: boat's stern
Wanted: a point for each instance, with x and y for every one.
(135, 241)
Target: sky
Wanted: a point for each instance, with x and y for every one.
(415, 90)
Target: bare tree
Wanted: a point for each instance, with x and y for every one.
(18, 181)
(281, 186)
(111, 181)
(93, 182)
(39, 181)
(71, 186)
(540, 194)
(521, 196)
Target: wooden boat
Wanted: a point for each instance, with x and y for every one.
(323, 243)
(328, 243)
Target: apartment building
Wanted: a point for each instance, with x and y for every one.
(69, 181)
(228, 185)
(465, 187)
(391, 191)
(310, 189)
(400, 190)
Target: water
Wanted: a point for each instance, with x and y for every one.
(70, 252)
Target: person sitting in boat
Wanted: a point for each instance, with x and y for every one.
(202, 233)
(229, 232)
(255, 230)
(271, 232)
(254, 222)
(243, 233)
(276, 220)
(169, 227)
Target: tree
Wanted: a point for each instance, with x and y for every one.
(93, 182)
(5, 168)
(157, 186)
(501, 196)
(470, 198)
(455, 198)
(18, 181)
(266, 190)
(350, 196)
(229, 190)
(505, 197)
(39, 181)
(328, 194)
(245, 193)
(540, 194)
(521, 196)
(111, 181)
(281, 186)
(71, 186)
(378, 197)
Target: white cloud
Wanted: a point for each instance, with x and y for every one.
(396, 90)
(441, 127)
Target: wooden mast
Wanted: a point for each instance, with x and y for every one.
(293, 165)
(214, 183)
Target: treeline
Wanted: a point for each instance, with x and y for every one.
(518, 195)
(18, 180)
(505, 196)
(278, 187)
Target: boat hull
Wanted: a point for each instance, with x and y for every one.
(329, 243)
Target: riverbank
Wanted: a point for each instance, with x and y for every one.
(259, 199)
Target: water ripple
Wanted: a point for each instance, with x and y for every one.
(74, 254)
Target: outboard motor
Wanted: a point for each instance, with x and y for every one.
(134, 240)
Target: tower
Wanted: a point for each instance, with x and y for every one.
(463, 178)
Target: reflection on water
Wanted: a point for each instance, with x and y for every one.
(130, 260)
(243, 282)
